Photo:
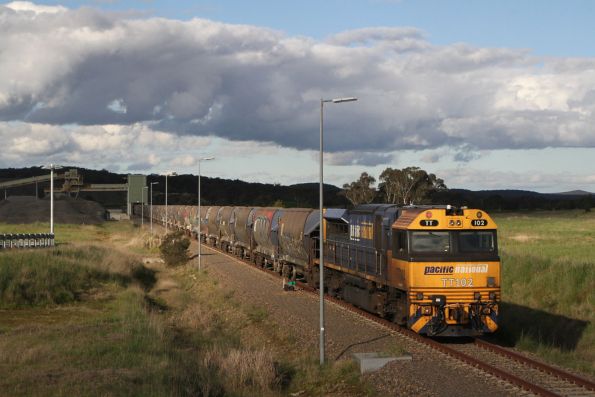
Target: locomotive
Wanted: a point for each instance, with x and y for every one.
(433, 269)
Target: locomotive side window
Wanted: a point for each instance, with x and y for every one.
(430, 241)
(399, 245)
(337, 231)
(477, 241)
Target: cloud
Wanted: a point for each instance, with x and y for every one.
(26, 6)
(194, 78)
(117, 105)
(395, 38)
(136, 146)
(538, 181)
(369, 159)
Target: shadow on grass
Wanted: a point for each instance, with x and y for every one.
(518, 322)
(145, 276)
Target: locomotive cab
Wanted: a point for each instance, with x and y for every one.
(447, 261)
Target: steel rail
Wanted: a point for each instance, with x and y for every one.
(564, 375)
(490, 369)
(511, 378)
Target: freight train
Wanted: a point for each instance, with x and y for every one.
(434, 269)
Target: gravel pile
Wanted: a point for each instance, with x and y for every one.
(28, 209)
(429, 373)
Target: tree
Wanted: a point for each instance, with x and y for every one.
(360, 191)
(174, 249)
(409, 185)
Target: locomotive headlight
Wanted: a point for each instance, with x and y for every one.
(492, 296)
(491, 282)
(438, 300)
(451, 223)
(459, 222)
(426, 310)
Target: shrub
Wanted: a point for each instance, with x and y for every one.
(174, 249)
(51, 277)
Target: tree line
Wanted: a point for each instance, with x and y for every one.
(410, 185)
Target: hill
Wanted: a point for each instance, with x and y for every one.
(183, 189)
(515, 200)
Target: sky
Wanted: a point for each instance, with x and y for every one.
(486, 95)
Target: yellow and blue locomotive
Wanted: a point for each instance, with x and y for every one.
(435, 269)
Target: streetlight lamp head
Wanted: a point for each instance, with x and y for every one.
(346, 99)
(207, 158)
(51, 167)
(154, 183)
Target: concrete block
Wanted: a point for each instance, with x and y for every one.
(369, 362)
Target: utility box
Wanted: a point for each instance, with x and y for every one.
(137, 194)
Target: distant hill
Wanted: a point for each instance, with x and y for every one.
(574, 193)
(514, 200)
(183, 189)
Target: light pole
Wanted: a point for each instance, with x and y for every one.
(321, 234)
(51, 167)
(151, 212)
(142, 207)
(199, 219)
(166, 175)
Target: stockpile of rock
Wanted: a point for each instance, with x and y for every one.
(29, 209)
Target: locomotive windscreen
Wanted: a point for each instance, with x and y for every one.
(477, 241)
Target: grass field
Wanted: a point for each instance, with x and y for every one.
(548, 285)
(88, 318)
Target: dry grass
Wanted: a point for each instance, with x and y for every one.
(130, 333)
(244, 369)
(249, 352)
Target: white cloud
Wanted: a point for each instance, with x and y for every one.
(109, 90)
(369, 159)
(247, 83)
(118, 106)
(474, 178)
(26, 6)
(98, 146)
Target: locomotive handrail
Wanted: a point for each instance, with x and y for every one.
(355, 253)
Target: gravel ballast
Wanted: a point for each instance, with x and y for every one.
(429, 373)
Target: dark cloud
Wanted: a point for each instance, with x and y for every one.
(201, 77)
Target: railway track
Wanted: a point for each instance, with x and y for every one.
(517, 369)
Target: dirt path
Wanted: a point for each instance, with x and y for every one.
(428, 373)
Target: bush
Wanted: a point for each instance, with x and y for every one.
(174, 249)
(50, 277)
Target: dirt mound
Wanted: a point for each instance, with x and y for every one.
(28, 209)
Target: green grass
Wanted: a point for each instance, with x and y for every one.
(63, 274)
(548, 285)
(115, 349)
(70, 233)
(84, 319)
